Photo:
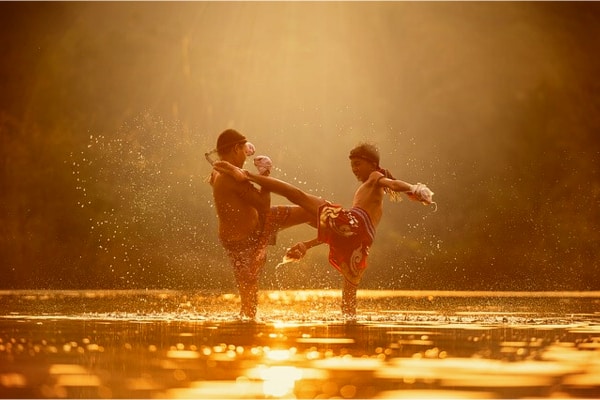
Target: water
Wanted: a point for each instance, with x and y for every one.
(176, 344)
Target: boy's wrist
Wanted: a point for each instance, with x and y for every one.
(246, 173)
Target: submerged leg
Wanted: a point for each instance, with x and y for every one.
(247, 260)
(248, 289)
(349, 300)
(249, 299)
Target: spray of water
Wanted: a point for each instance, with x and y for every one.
(145, 184)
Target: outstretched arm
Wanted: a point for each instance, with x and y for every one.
(418, 192)
(395, 184)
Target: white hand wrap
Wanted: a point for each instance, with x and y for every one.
(263, 164)
(422, 193)
(249, 149)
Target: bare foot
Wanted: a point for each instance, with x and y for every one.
(227, 168)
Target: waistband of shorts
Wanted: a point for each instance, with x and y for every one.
(366, 219)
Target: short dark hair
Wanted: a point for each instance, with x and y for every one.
(229, 138)
(366, 151)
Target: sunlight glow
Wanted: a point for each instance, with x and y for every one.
(279, 380)
(281, 355)
(183, 354)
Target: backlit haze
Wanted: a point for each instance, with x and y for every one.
(107, 109)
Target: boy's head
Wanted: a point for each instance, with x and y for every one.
(366, 151)
(227, 139)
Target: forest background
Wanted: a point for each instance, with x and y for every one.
(107, 109)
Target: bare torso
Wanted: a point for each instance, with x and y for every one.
(369, 197)
(237, 208)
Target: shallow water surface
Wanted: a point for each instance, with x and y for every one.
(171, 344)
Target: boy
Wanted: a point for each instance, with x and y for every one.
(348, 232)
(247, 222)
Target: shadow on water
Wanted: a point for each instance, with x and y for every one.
(170, 344)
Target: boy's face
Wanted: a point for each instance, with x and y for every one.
(240, 154)
(361, 168)
(236, 155)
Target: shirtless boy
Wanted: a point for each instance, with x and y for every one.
(247, 222)
(348, 232)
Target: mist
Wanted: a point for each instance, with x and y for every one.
(107, 109)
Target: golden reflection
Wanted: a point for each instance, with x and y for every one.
(279, 324)
(278, 381)
(66, 369)
(422, 357)
(313, 355)
(238, 389)
(315, 340)
(220, 348)
(435, 394)
(183, 354)
(348, 363)
(93, 347)
(281, 355)
(256, 351)
(348, 391)
(83, 380)
(13, 380)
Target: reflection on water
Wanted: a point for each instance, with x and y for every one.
(165, 344)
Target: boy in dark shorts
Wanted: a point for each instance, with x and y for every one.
(247, 222)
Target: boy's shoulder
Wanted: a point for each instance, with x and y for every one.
(375, 176)
(223, 181)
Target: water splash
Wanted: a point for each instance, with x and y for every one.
(144, 191)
